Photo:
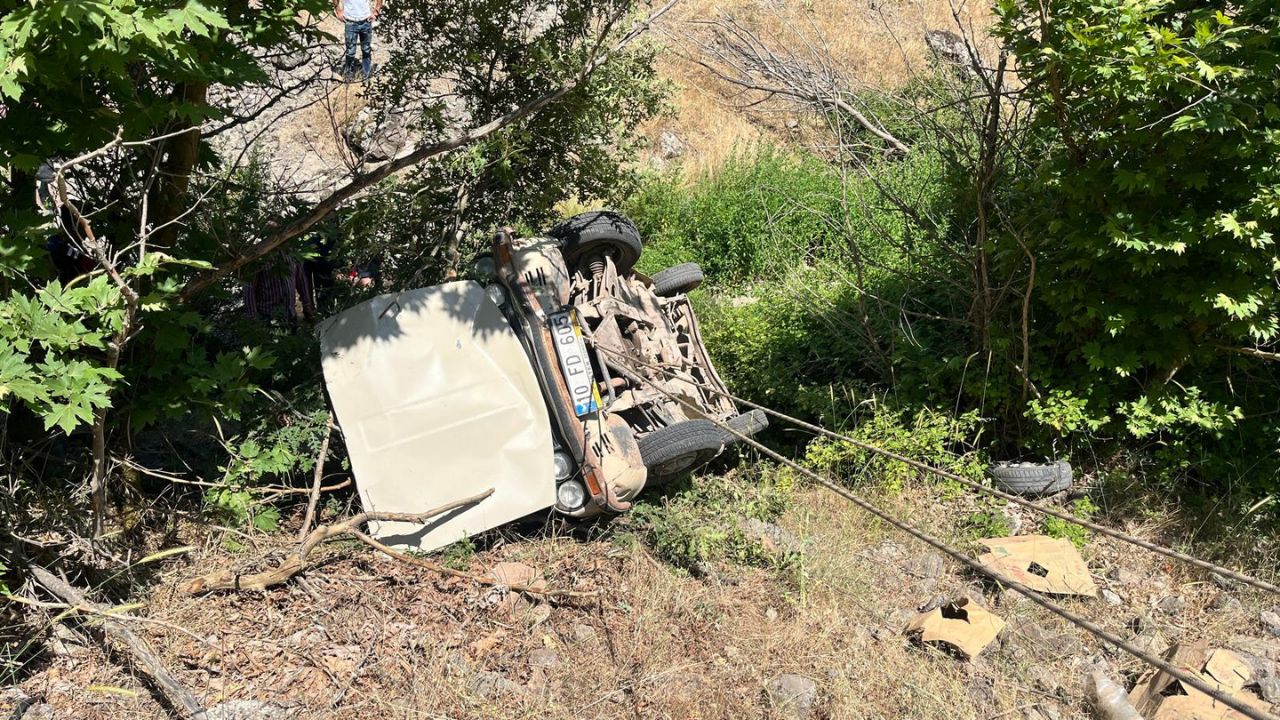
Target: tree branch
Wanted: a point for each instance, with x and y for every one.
(361, 181)
(149, 663)
(297, 562)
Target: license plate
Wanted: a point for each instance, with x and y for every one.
(575, 363)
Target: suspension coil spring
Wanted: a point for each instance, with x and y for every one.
(596, 265)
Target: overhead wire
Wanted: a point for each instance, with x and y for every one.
(979, 487)
(1091, 627)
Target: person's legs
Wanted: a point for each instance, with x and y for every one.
(366, 48)
(349, 60)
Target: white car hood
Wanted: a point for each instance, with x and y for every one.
(438, 402)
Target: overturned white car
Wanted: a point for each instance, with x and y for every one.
(524, 382)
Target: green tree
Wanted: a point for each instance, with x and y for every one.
(1160, 191)
(119, 96)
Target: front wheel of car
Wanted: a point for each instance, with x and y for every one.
(677, 450)
(585, 236)
(677, 279)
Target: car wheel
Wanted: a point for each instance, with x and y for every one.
(677, 279)
(677, 450)
(749, 423)
(582, 236)
(1031, 478)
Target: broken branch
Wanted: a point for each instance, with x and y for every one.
(173, 691)
(315, 483)
(297, 562)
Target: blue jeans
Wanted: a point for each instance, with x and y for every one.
(363, 30)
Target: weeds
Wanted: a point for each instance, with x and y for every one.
(702, 523)
(1085, 509)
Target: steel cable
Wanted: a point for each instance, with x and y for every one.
(939, 545)
(1102, 529)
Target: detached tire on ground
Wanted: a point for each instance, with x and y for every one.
(1031, 479)
(749, 423)
(677, 279)
(603, 230)
(677, 450)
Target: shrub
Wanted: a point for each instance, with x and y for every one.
(701, 522)
(928, 436)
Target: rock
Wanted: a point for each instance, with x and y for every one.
(1042, 711)
(1110, 598)
(1022, 637)
(1263, 648)
(793, 696)
(1139, 624)
(932, 603)
(772, 538)
(455, 663)
(1152, 643)
(1223, 582)
(1046, 679)
(1124, 577)
(1225, 601)
(1012, 517)
(491, 685)
(544, 658)
(582, 633)
(925, 567)
(670, 146)
(537, 615)
(39, 711)
(248, 710)
(1271, 621)
(1172, 605)
(291, 60)
(982, 690)
(1269, 689)
(377, 140)
(947, 46)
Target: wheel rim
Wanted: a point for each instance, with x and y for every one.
(679, 465)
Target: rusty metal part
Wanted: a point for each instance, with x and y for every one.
(572, 430)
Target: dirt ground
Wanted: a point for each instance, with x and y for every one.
(363, 635)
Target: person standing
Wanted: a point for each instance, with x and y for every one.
(358, 15)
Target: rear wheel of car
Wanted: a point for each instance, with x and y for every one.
(677, 279)
(677, 450)
(748, 423)
(583, 236)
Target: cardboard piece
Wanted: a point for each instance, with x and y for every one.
(1159, 696)
(963, 625)
(1044, 564)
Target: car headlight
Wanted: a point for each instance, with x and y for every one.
(564, 465)
(485, 267)
(571, 495)
(497, 294)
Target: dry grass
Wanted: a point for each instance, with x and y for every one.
(382, 639)
(879, 44)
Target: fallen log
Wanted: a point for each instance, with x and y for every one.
(146, 658)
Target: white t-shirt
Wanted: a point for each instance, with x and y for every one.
(356, 10)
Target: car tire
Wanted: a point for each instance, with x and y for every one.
(677, 450)
(1032, 479)
(584, 235)
(677, 279)
(750, 423)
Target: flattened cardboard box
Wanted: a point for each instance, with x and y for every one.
(963, 625)
(1044, 564)
(1159, 696)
